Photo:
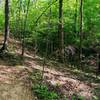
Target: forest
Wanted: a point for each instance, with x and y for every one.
(49, 49)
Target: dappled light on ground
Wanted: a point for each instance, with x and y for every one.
(14, 84)
(65, 82)
(58, 77)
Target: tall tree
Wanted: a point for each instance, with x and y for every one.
(75, 22)
(6, 35)
(60, 30)
(24, 27)
(81, 29)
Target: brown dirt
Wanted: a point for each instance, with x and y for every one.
(14, 84)
(65, 81)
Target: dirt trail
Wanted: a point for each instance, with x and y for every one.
(14, 84)
(65, 81)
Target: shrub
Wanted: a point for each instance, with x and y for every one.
(42, 93)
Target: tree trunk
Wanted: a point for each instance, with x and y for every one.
(98, 61)
(75, 23)
(60, 31)
(81, 30)
(25, 23)
(6, 35)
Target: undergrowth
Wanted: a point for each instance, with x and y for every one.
(42, 92)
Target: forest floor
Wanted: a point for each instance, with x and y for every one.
(15, 81)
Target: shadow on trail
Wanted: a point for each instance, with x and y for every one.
(69, 80)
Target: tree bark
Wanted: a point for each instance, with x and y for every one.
(98, 62)
(60, 31)
(75, 26)
(81, 31)
(6, 35)
(25, 23)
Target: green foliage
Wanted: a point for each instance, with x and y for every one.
(1, 18)
(42, 26)
(75, 98)
(37, 25)
(97, 94)
(36, 77)
(42, 92)
(12, 59)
